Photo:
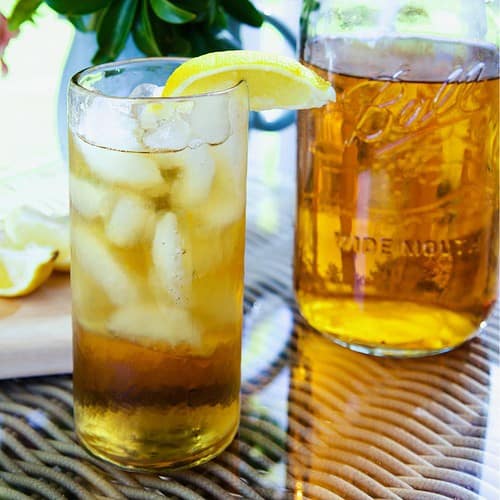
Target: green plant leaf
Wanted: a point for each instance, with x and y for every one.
(96, 20)
(219, 42)
(75, 7)
(171, 13)
(179, 46)
(198, 42)
(172, 39)
(177, 42)
(143, 34)
(211, 11)
(79, 22)
(114, 29)
(23, 11)
(308, 6)
(220, 19)
(203, 41)
(87, 22)
(198, 6)
(244, 11)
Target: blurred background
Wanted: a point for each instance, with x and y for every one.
(29, 92)
(32, 166)
(29, 144)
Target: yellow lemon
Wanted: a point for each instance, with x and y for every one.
(24, 270)
(25, 225)
(274, 81)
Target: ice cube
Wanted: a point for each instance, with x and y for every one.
(149, 322)
(88, 199)
(96, 259)
(170, 135)
(129, 221)
(226, 202)
(196, 173)
(213, 249)
(168, 160)
(146, 90)
(155, 115)
(210, 120)
(110, 124)
(91, 306)
(172, 259)
(231, 159)
(129, 169)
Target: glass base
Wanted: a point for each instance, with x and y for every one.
(385, 328)
(389, 352)
(133, 464)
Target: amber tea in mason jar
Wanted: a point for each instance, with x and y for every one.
(396, 248)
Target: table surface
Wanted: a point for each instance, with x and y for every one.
(317, 420)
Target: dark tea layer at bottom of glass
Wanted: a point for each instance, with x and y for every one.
(145, 406)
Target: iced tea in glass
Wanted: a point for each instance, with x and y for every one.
(157, 188)
(396, 249)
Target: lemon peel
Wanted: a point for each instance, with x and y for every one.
(25, 226)
(24, 270)
(274, 81)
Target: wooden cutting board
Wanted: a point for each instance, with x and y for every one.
(35, 331)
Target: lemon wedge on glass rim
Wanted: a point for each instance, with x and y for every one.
(274, 81)
(25, 269)
(25, 226)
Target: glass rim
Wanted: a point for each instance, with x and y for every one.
(75, 81)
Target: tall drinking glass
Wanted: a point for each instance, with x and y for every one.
(396, 247)
(158, 220)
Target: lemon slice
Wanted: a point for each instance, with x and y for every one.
(274, 81)
(25, 225)
(24, 270)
